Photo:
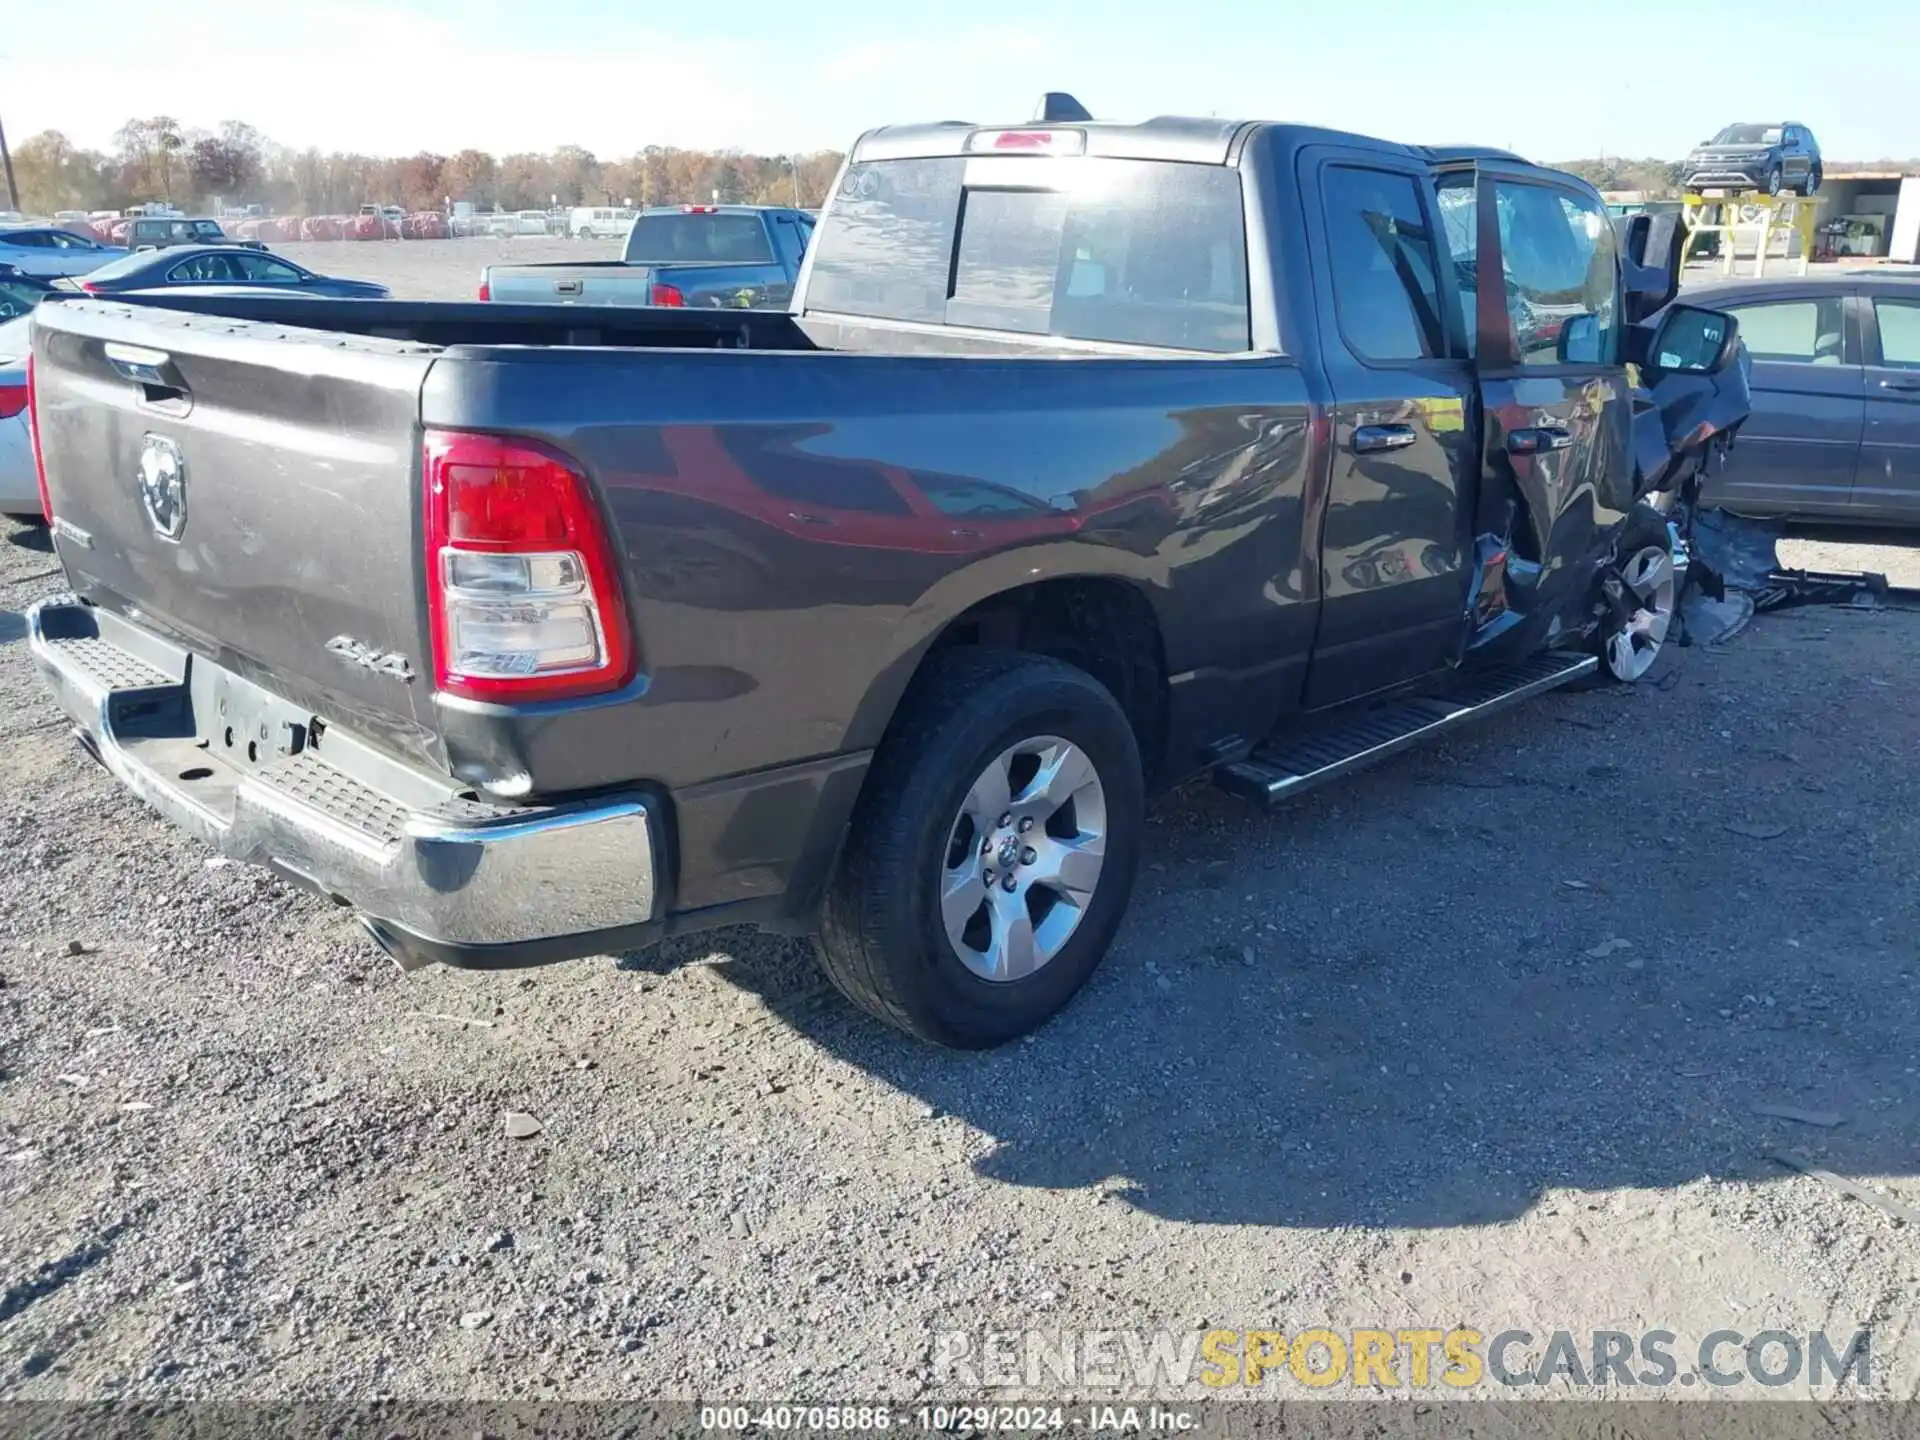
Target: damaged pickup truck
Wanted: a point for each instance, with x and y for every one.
(1090, 457)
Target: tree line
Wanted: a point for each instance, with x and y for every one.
(159, 159)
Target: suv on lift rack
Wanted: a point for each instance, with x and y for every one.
(1091, 456)
(1773, 158)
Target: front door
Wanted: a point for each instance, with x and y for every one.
(1547, 321)
(1798, 449)
(1395, 545)
(1887, 484)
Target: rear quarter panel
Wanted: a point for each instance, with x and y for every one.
(797, 529)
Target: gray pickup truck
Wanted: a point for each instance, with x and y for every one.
(1090, 458)
(743, 257)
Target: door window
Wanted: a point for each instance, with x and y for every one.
(204, 270)
(1384, 290)
(1899, 333)
(1459, 231)
(265, 269)
(787, 234)
(1805, 332)
(1560, 263)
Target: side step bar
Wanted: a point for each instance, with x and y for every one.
(1282, 768)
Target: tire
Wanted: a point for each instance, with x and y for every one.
(884, 938)
(1773, 181)
(1814, 177)
(584, 235)
(1628, 652)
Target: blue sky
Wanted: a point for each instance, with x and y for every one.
(1553, 80)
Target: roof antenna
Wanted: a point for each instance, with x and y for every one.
(1059, 108)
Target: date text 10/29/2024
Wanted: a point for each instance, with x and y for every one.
(948, 1419)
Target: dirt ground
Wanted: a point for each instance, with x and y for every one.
(1484, 1037)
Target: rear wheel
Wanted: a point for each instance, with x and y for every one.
(1641, 593)
(992, 853)
(1814, 177)
(585, 234)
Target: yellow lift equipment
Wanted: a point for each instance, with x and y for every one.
(1749, 212)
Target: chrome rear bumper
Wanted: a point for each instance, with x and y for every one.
(435, 873)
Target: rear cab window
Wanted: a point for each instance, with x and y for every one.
(699, 238)
(1137, 252)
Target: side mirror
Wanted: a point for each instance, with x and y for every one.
(1579, 342)
(1650, 247)
(1688, 341)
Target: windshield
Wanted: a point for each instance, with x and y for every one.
(1748, 135)
(698, 239)
(1139, 252)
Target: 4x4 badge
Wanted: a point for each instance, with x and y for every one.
(383, 662)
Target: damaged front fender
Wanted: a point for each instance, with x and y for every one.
(1685, 422)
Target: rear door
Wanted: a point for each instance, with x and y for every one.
(1796, 162)
(1887, 484)
(1798, 451)
(1547, 322)
(1395, 556)
(251, 491)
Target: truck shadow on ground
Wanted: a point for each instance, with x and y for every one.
(32, 537)
(1466, 978)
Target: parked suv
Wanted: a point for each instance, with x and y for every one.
(1771, 157)
(163, 232)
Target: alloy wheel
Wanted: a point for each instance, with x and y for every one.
(1023, 858)
(1650, 586)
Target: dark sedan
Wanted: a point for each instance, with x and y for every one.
(1835, 430)
(221, 265)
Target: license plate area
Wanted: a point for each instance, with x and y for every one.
(242, 724)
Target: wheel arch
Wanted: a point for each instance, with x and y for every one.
(1106, 624)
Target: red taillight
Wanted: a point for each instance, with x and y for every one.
(668, 295)
(522, 593)
(699, 209)
(33, 439)
(13, 399)
(486, 291)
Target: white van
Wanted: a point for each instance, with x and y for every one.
(584, 222)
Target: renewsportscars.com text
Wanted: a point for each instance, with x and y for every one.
(1460, 1358)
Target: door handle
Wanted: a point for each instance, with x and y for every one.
(1538, 439)
(1913, 384)
(1372, 439)
(153, 373)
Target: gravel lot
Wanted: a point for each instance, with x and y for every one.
(1475, 1038)
(439, 269)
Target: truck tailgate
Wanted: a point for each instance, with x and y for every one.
(251, 491)
(610, 283)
